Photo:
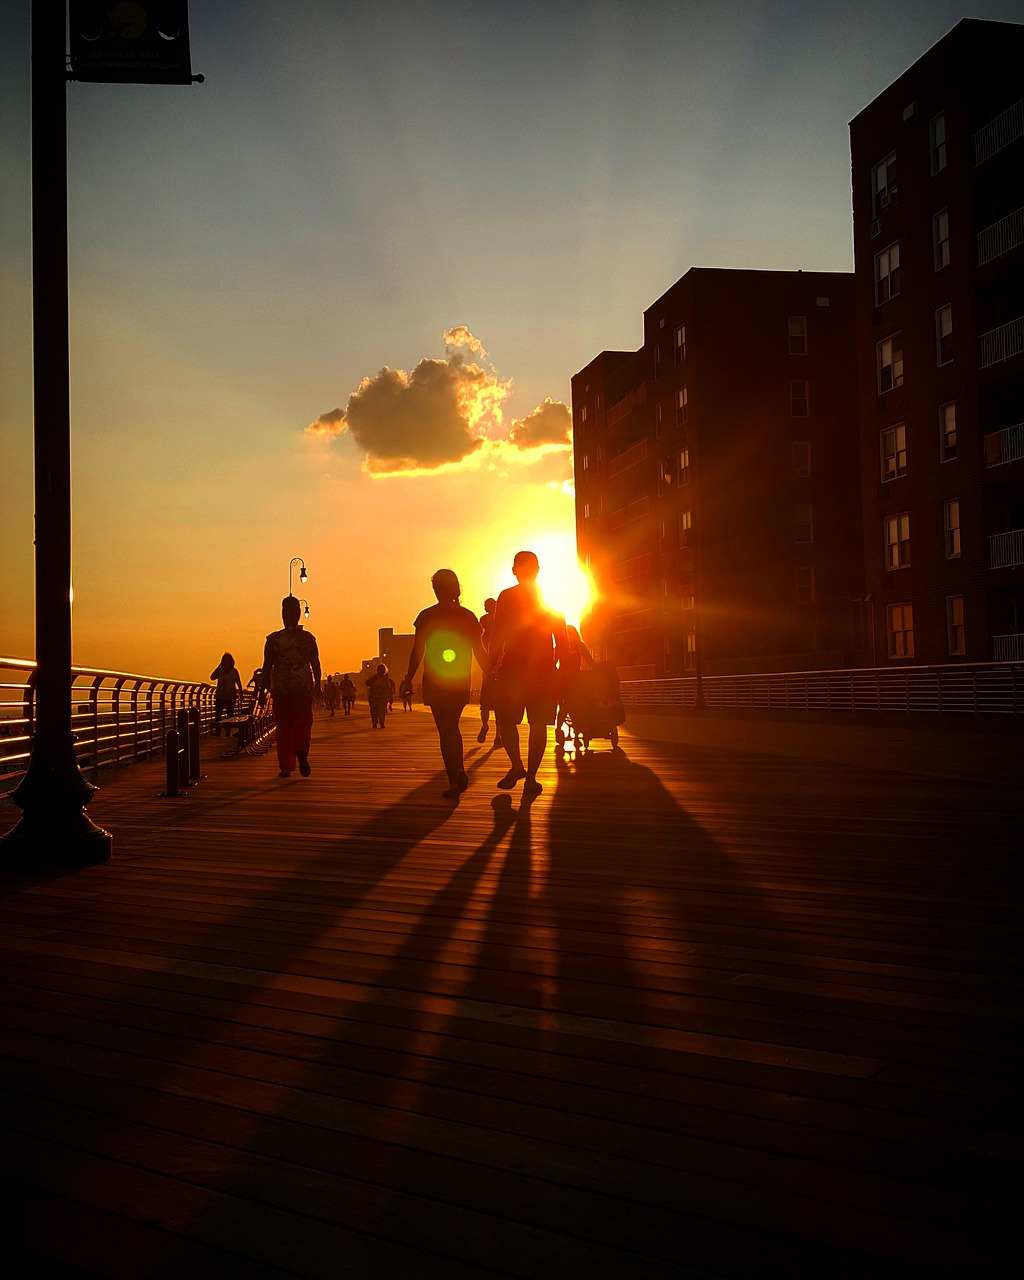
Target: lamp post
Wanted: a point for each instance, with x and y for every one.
(305, 608)
(302, 572)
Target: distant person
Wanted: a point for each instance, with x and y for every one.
(254, 680)
(291, 672)
(487, 687)
(378, 690)
(348, 693)
(405, 691)
(527, 640)
(332, 695)
(569, 668)
(391, 694)
(447, 639)
(229, 686)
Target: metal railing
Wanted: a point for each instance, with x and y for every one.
(1009, 648)
(999, 238)
(1006, 550)
(116, 717)
(989, 688)
(999, 133)
(1004, 446)
(1002, 343)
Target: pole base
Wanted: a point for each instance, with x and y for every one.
(51, 843)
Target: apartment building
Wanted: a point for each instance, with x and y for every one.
(717, 480)
(938, 214)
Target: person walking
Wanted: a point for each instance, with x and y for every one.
(291, 673)
(348, 694)
(487, 687)
(229, 686)
(331, 695)
(447, 639)
(527, 641)
(405, 689)
(378, 690)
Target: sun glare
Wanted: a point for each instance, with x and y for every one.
(563, 583)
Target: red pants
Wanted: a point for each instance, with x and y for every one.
(293, 715)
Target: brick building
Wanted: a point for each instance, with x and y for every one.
(717, 489)
(938, 214)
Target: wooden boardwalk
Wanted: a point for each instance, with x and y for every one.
(742, 1003)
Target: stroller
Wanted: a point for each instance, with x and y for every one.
(593, 708)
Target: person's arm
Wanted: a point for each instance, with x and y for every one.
(496, 641)
(314, 662)
(263, 684)
(481, 654)
(416, 657)
(587, 656)
(238, 680)
(561, 637)
(215, 673)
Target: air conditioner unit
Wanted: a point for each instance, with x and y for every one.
(876, 228)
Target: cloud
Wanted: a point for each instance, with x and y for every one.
(549, 425)
(444, 413)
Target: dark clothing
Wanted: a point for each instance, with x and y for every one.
(293, 716)
(448, 632)
(527, 640)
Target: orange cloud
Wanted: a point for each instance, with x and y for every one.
(550, 425)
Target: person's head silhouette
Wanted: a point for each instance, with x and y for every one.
(290, 611)
(446, 585)
(525, 566)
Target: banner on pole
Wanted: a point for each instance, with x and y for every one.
(130, 41)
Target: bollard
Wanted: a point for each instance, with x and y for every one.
(183, 745)
(193, 744)
(171, 762)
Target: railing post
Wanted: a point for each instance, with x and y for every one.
(184, 768)
(192, 716)
(171, 766)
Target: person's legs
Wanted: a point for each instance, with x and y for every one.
(507, 715)
(303, 732)
(446, 717)
(285, 721)
(540, 711)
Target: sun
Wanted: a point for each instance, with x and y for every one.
(563, 583)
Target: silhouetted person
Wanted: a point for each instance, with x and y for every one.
(331, 695)
(405, 689)
(348, 693)
(487, 687)
(569, 667)
(229, 686)
(447, 639)
(391, 694)
(291, 671)
(378, 690)
(527, 639)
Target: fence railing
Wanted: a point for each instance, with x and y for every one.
(989, 688)
(1006, 550)
(1002, 343)
(116, 717)
(999, 133)
(1001, 447)
(1001, 237)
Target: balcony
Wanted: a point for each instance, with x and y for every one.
(1001, 447)
(1001, 237)
(1008, 648)
(1001, 344)
(999, 133)
(1006, 550)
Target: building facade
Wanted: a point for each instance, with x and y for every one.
(938, 214)
(717, 480)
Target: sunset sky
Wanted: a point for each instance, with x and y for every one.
(328, 303)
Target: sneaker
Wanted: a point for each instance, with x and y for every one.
(512, 777)
(531, 787)
(482, 735)
(457, 788)
(304, 768)
(283, 774)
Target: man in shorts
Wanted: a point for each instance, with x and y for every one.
(527, 640)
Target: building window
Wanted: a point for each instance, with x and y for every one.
(887, 274)
(947, 431)
(586, 511)
(690, 652)
(801, 460)
(664, 596)
(583, 416)
(956, 635)
(899, 625)
(897, 541)
(657, 420)
(679, 345)
(944, 334)
(883, 185)
(657, 361)
(682, 406)
(662, 537)
(664, 475)
(937, 141)
(797, 335)
(799, 394)
(940, 239)
(685, 527)
(683, 460)
(893, 450)
(951, 523)
(586, 462)
(804, 584)
(890, 363)
(803, 522)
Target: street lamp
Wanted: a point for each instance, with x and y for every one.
(302, 572)
(305, 608)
